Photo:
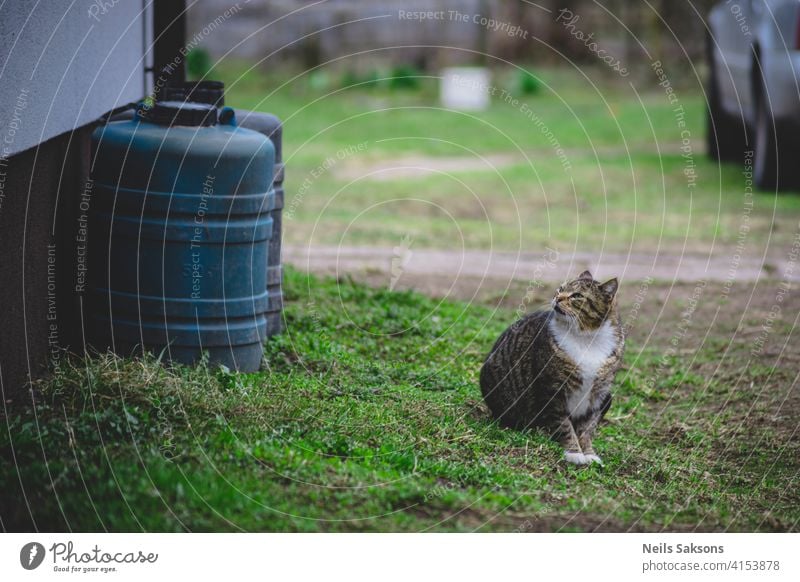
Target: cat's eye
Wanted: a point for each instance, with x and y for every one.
(576, 296)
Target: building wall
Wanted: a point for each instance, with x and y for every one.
(37, 314)
(69, 65)
(62, 65)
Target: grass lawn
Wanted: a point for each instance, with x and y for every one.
(497, 179)
(369, 418)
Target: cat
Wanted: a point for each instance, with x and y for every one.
(554, 368)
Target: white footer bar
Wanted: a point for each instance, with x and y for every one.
(374, 557)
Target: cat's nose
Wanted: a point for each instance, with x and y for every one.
(561, 297)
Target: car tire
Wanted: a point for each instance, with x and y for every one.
(766, 159)
(725, 133)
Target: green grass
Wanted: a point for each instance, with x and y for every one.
(625, 186)
(370, 419)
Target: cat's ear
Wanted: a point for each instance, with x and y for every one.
(586, 275)
(610, 287)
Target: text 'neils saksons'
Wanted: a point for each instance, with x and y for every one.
(664, 548)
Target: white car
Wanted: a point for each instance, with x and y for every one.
(753, 87)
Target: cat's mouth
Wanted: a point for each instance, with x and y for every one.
(558, 309)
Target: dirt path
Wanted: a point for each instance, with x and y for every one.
(402, 265)
(412, 166)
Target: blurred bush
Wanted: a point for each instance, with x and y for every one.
(372, 78)
(319, 80)
(528, 84)
(350, 78)
(368, 80)
(404, 77)
(198, 63)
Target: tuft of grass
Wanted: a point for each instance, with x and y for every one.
(367, 418)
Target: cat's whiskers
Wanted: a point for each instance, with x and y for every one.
(569, 317)
(570, 320)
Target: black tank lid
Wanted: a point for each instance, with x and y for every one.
(180, 113)
(211, 92)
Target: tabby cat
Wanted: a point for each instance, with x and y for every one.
(553, 369)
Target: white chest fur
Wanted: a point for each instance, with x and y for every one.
(589, 351)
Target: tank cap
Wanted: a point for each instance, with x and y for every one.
(211, 92)
(180, 113)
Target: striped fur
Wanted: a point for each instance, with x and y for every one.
(553, 369)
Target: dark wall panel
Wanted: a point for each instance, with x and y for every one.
(39, 261)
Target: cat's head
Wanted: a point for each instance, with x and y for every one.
(585, 302)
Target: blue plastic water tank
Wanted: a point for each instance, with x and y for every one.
(179, 235)
(213, 93)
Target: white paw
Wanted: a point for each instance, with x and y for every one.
(592, 458)
(575, 458)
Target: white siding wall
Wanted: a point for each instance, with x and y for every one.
(61, 67)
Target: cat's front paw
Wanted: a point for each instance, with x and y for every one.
(575, 458)
(593, 458)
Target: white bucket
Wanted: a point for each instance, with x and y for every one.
(465, 88)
